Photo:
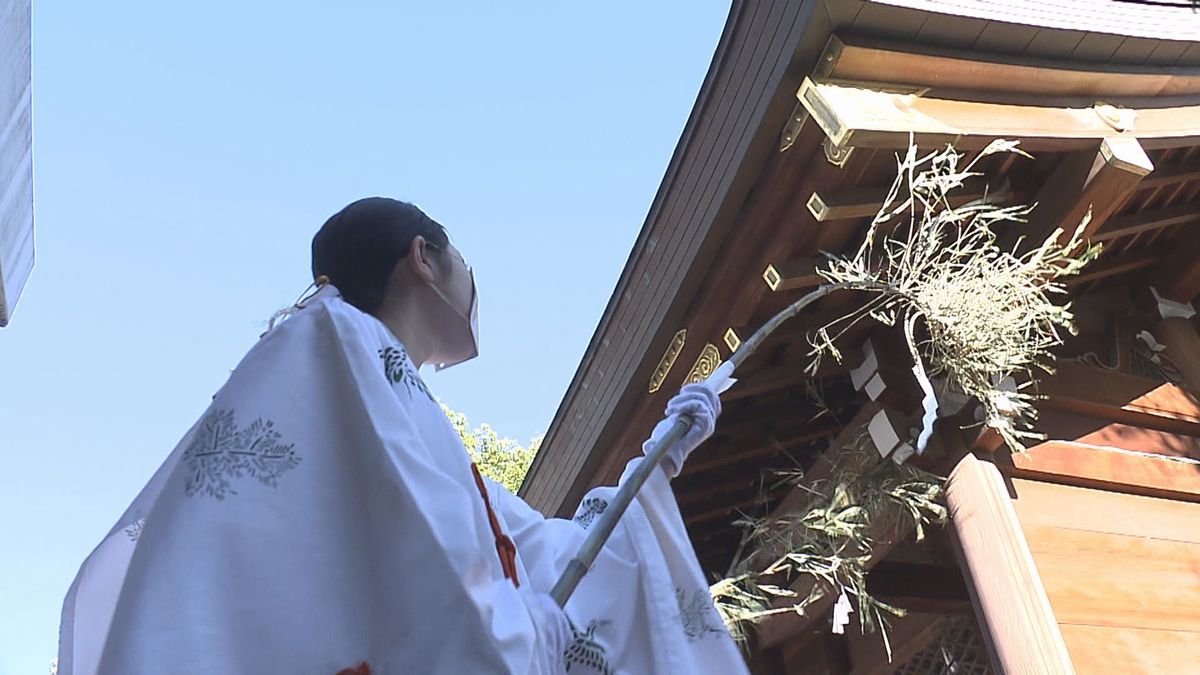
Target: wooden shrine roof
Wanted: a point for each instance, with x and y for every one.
(735, 227)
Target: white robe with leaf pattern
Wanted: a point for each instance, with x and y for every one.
(322, 514)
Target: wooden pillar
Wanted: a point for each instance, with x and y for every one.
(1178, 277)
(1183, 348)
(1007, 590)
(1178, 334)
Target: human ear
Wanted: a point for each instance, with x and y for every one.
(420, 260)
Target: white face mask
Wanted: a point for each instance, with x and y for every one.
(472, 321)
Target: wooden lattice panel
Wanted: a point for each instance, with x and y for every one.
(958, 651)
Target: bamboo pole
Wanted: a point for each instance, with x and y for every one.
(603, 528)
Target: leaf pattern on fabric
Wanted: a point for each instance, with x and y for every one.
(221, 451)
(589, 511)
(399, 370)
(134, 529)
(585, 654)
(697, 615)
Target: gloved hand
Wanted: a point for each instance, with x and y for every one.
(555, 630)
(700, 401)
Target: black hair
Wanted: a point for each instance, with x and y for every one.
(359, 246)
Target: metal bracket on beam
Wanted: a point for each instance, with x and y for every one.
(706, 363)
(791, 130)
(668, 360)
(837, 155)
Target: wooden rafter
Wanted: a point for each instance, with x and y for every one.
(1146, 221)
(787, 374)
(863, 115)
(1095, 182)
(728, 295)
(866, 202)
(1172, 175)
(792, 275)
(771, 445)
(1112, 266)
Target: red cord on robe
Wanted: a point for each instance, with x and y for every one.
(505, 547)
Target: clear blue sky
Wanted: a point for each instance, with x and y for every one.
(185, 155)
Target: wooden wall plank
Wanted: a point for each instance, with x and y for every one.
(1120, 396)
(1072, 507)
(1096, 650)
(1102, 579)
(1099, 467)
(1099, 431)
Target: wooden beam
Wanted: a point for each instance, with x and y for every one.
(1178, 278)
(1010, 599)
(1106, 468)
(1146, 221)
(862, 115)
(866, 202)
(1089, 430)
(1120, 397)
(856, 203)
(918, 587)
(884, 532)
(793, 275)
(860, 58)
(1095, 182)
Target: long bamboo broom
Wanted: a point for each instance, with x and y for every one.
(989, 313)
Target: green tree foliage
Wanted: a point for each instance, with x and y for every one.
(501, 459)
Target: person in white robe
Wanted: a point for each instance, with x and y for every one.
(322, 515)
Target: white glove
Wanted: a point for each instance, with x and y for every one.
(702, 402)
(554, 628)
